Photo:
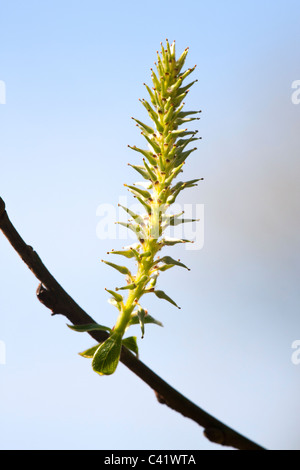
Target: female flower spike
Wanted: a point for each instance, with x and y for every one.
(168, 140)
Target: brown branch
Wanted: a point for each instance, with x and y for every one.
(54, 297)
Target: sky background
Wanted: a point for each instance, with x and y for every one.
(74, 72)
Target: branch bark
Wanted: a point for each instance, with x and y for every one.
(55, 298)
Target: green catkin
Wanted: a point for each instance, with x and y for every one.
(165, 159)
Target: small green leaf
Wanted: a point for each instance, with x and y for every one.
(181, 185)
(183, 90)
(169, 50)
(141, 192)
(156, 84)
(107, 356)
(126, 253)
(187, 72)
(143, 279)
(181, 59)
(146, 153)
(176, 85)
(147, 319)
(182, 143)
(147, 206)
(152, 143)
(174, 174)
(166, 267)
(185, 120)
(171, 261)
(135, 216)
(168, 241)
(131, 343)
(162, 295)
(178, 132)
(129, 286)
(116, 296)
(175, 222)
(141, 170)
(89, 327)
(151, 173)
(143, 126)
(152, 97)
(121, 269)
(141, 315)
(152, 113)
(136, 254)
(136, 229)
(178, 100)
(153, 281)
(146, 254)
(159, 66)
(89, 353)
(169, 217)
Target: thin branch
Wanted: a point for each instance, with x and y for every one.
(54, 297)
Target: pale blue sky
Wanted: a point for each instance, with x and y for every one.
(74, 72)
